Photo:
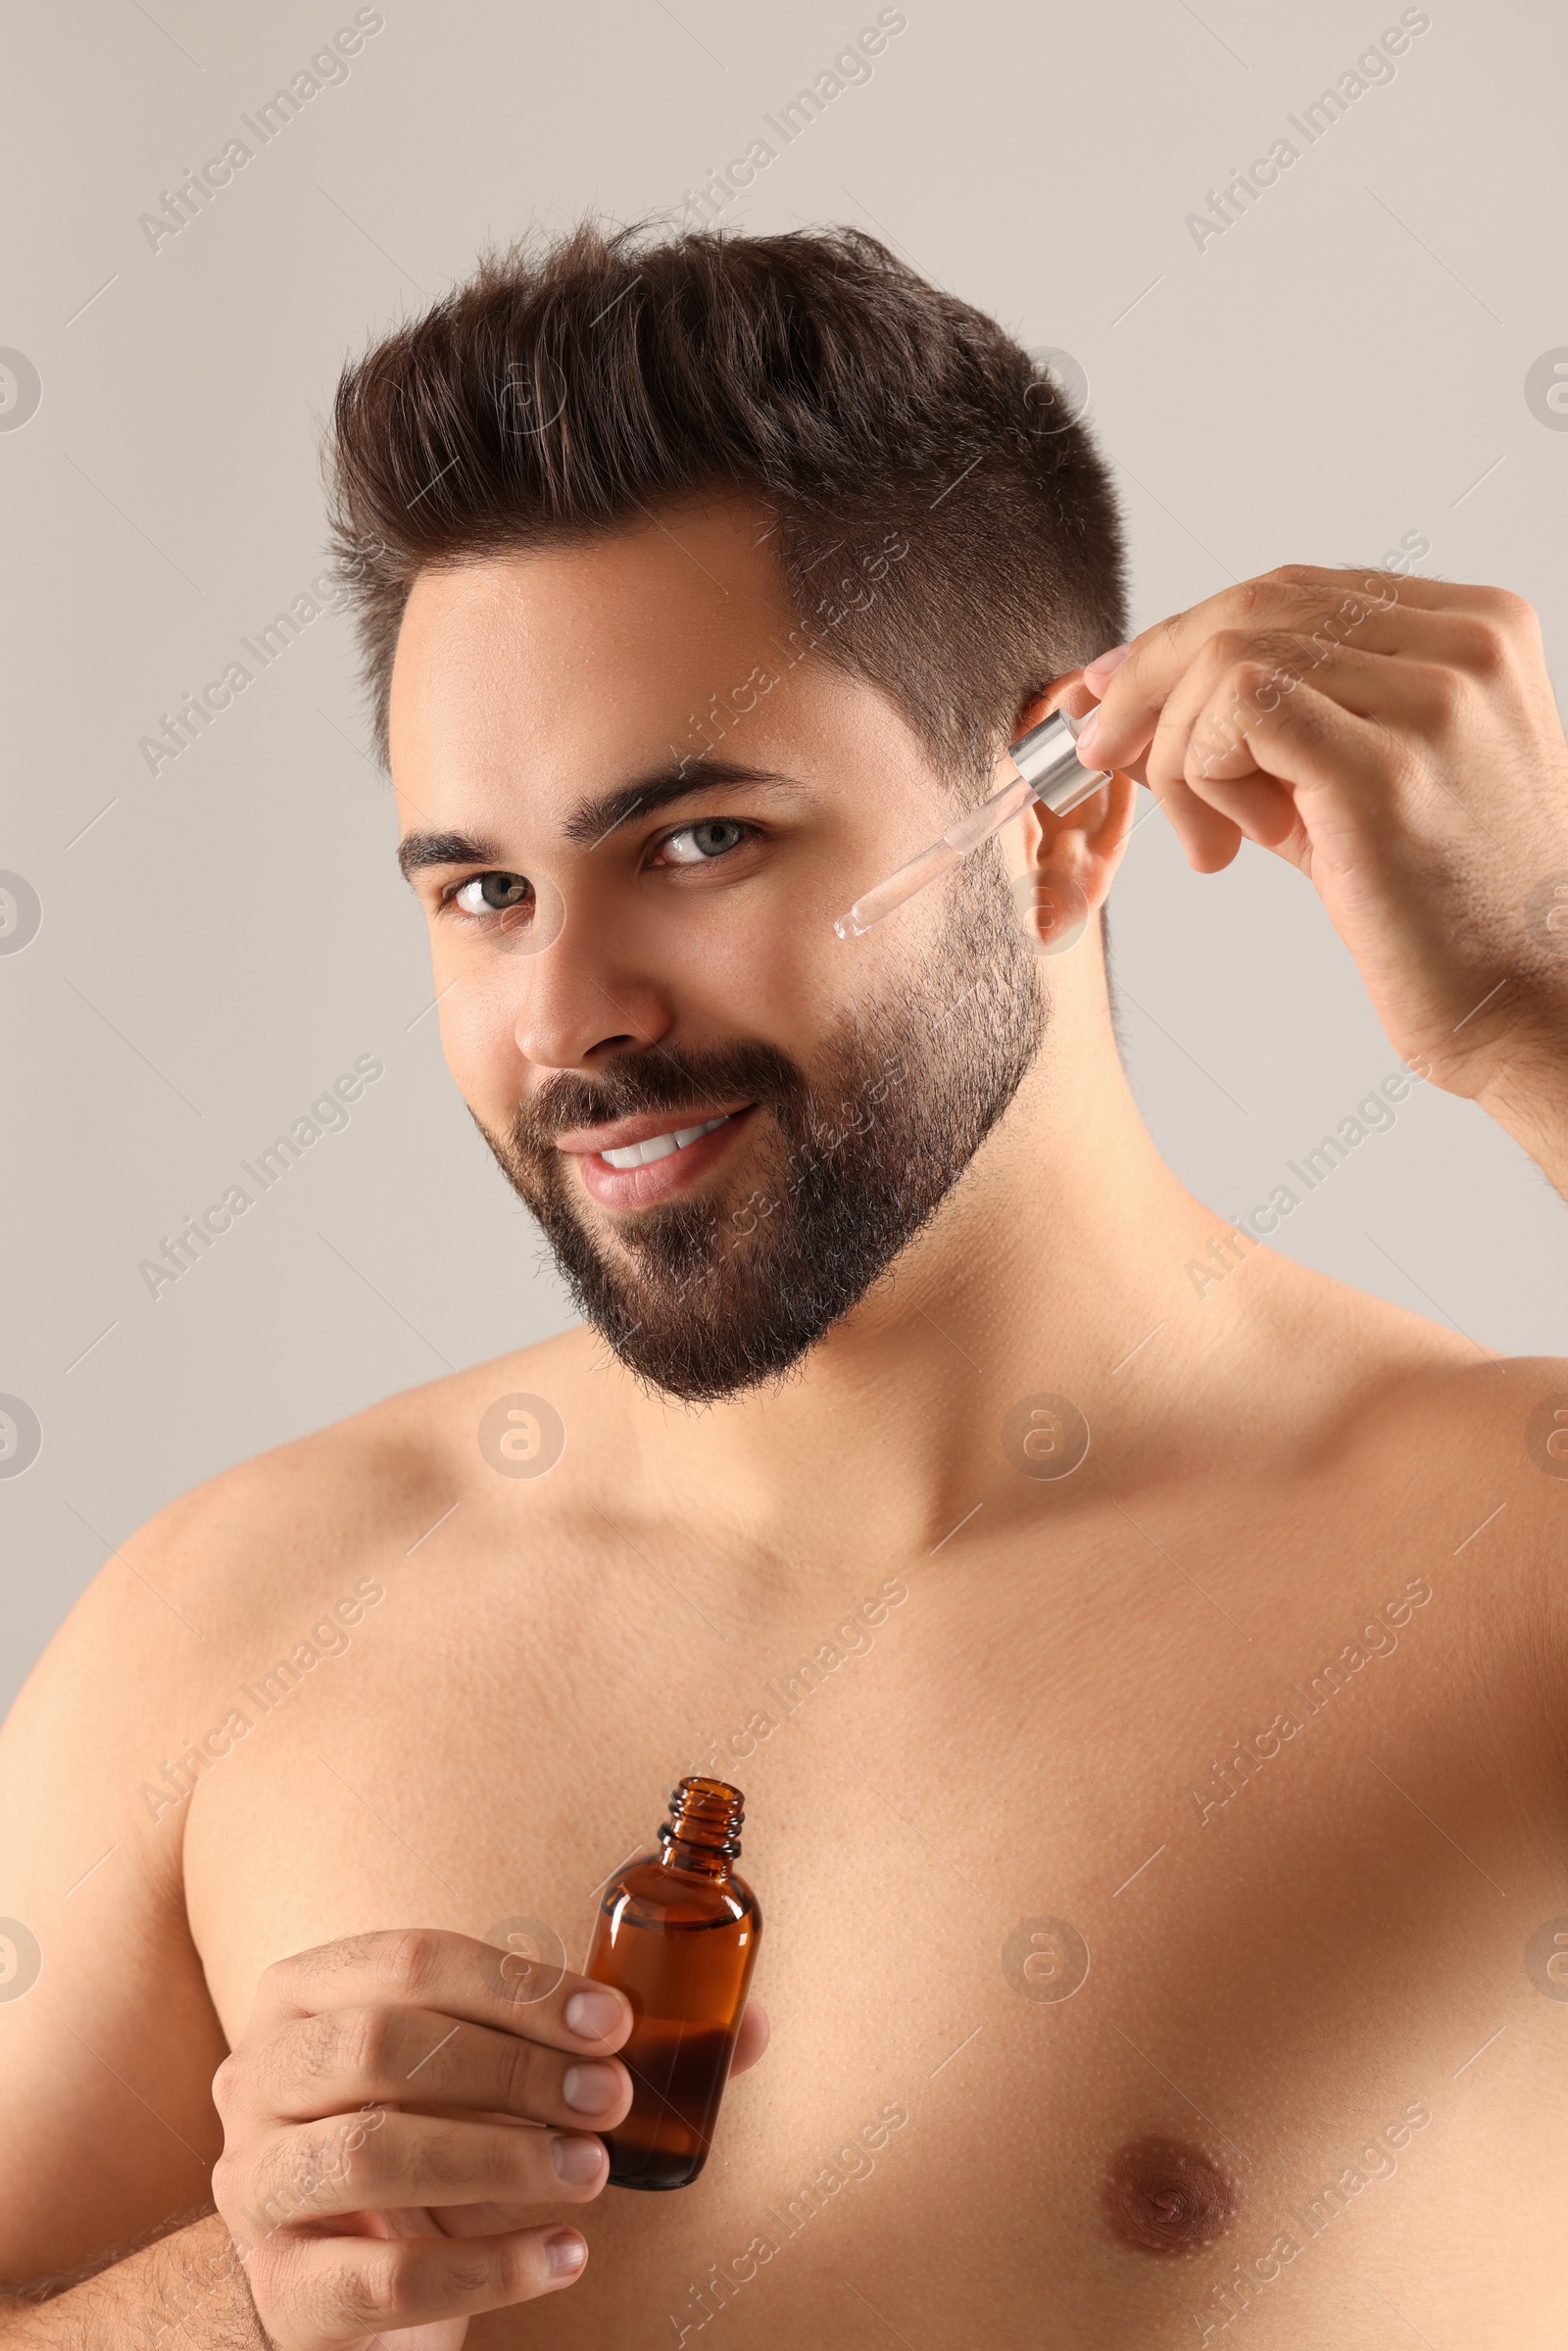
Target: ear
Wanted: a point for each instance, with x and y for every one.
(1072, 859)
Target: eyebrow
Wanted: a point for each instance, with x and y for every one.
(593, 820)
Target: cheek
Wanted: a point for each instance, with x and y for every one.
(480, 1042)
(753, 971)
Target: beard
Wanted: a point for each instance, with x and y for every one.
(702, 1299)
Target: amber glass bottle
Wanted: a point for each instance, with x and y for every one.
(678, 1933)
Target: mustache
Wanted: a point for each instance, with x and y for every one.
(663, 1078)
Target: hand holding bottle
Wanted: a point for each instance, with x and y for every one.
(394, 2115)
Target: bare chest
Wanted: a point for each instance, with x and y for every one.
(1052, 1876)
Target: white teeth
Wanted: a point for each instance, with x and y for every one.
(659, 1146)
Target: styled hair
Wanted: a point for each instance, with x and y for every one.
(571, 388)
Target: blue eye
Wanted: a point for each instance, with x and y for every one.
(698, 844)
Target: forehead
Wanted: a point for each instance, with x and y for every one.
(594, 640)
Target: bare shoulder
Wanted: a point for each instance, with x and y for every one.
(1464, 1419)
(1429, 1420)
(277, 1531)
(1471, 1453)
(224, 1569)
(1390, 1438)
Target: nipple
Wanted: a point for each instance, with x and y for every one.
(1162, 2196)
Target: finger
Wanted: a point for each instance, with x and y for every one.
(751, 2042)
(1209, 837)
(428, 1967)
(1354, 664)
(1380, 612)
(1336, 771)
(380, 2056)
(1211, 726)
(1414, 590)
(1407, 697)
(315, 2173)
(1202, 734)
(486, 2220)
(340, 2290)
(753, 2037)
(1240, 619)
(1211, 823)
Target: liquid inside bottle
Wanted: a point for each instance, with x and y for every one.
(678, 1933)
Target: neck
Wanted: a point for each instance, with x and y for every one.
(1060, 1264)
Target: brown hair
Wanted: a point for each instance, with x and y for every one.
(568, 387)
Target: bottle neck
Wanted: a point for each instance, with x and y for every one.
(702, 1834)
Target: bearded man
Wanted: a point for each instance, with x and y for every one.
(1148, 1690)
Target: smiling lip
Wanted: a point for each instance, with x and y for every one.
(677, 1165)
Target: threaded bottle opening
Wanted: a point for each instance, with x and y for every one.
(705, 1814)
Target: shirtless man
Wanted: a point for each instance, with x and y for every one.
(1142, 1656)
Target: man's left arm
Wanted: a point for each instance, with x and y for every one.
(1397, 740)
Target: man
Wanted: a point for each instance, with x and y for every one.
(1142, 1657)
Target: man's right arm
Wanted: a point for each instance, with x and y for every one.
(108, 2035)
(341, 2213)
(184, 2285)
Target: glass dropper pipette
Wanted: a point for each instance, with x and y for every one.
(1049, 770)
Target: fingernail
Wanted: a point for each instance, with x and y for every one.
(566, 2254)
(1106, 664)
(1086, 733)
(577, 2161)
(590, 2088)
(593, 2014)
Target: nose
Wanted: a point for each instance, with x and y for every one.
(578, 1005)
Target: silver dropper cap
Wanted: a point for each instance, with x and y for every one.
(1046, 757)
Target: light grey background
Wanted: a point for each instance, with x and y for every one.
(1346, 365)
